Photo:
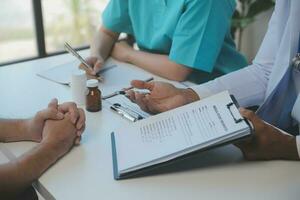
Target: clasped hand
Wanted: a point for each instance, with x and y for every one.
(59, 126)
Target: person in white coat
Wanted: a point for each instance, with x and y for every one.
(272, 82)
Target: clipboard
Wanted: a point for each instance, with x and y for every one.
(149, 169)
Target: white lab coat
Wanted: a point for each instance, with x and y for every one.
(253, 84)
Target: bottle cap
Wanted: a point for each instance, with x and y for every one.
(92, 83)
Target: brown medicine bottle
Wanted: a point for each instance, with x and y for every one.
(93, 97)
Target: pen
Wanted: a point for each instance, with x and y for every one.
(117, 108)
(131, 87)
(76, 55)
(122, 92)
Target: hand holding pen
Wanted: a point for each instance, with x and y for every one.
(86, 64)
(96, 64)
(123, 91)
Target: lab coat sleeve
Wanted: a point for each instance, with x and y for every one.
(298, 145)
(249, 84)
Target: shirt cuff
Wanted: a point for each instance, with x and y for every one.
(298, 145)
(202, 90)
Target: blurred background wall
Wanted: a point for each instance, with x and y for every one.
(75, 21)
(254, 34)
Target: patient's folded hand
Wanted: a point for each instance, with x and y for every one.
(60, 135)
(33, 128)
(76, 114)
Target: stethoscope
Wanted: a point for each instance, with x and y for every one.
(296, 59)
(296, 66)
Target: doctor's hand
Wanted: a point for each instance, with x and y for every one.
(96, 62)
(267, 142)
(162, 96)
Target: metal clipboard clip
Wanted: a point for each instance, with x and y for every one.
(237, 120)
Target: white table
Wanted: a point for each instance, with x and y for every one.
(86, 172)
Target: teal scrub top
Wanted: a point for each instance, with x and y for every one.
(194, 33)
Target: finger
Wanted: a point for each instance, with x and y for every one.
(97, 67)
(151, 105)
(81, 119)
(243, 145)
(50, 113)
(70, 107)
(91, 60)
(258, 124)
(78, 140)
(89, 71)
(139, 99)
(244, 148)
(142, 84)
(53, 103)
(130, 94)
(250, 115)
(80, 132)
(238, 145)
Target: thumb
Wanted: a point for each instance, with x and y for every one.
(243, 144)
(77, 140)
(51, 113)
(251, 116)
(97, 67)
(53, 103)
(142, 85)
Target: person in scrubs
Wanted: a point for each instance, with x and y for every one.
(174, 38)
(272, 82)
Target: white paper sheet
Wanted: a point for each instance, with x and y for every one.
(116, 77)
(177, 130)
(61, 73)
